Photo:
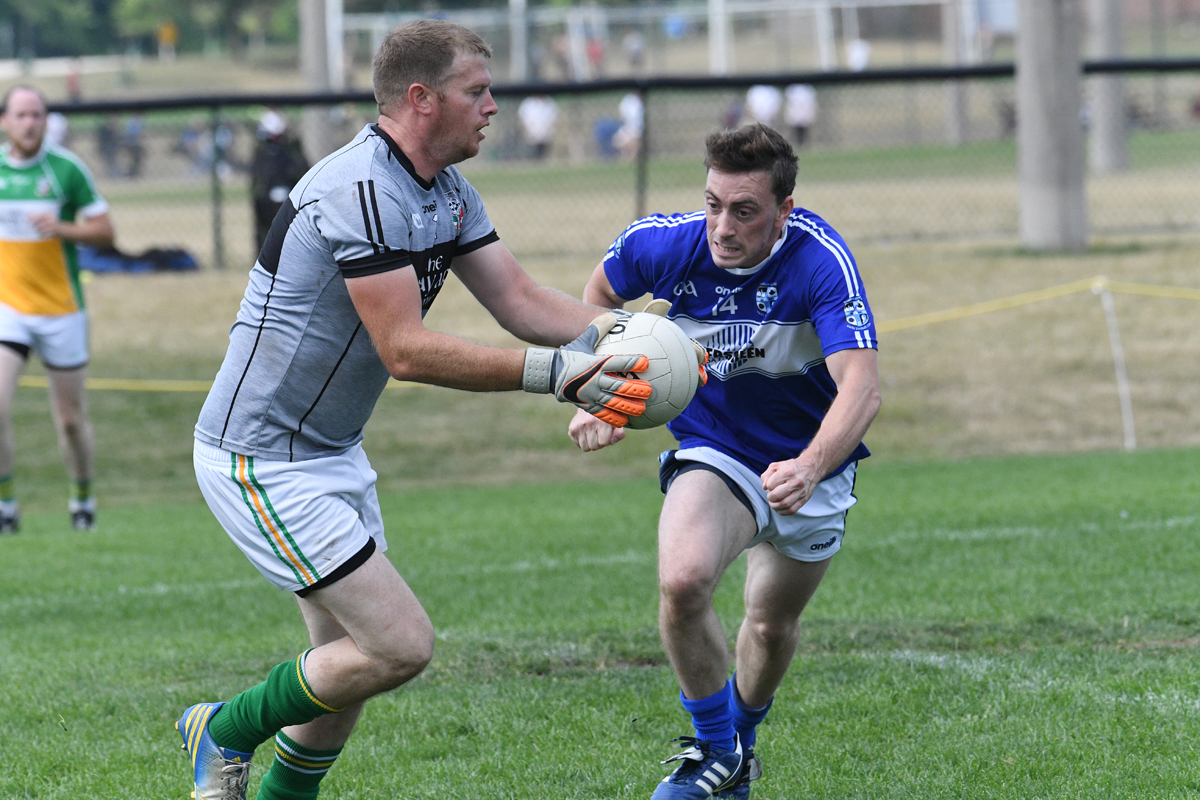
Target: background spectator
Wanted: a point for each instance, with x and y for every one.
(763, 104)
(800, 109)
(538, 113)
(278, 163)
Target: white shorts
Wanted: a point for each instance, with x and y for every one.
(61, 340)
(814, 533)
(303, 524)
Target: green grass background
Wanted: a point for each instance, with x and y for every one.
(1017, 627)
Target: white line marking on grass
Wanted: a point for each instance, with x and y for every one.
(154, 590)
(537, 565)
(999, 532)
(54, 599)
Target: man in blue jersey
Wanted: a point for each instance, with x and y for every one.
(334, 307)
(769, 446)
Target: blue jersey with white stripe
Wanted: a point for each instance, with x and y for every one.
(768, 329)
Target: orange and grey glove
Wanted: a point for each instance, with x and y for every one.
(659, 308)
(575, 374)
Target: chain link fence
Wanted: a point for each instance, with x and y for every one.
(906, 154)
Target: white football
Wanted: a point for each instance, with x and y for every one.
(674, 370)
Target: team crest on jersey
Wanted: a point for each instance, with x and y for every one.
(856, 313)
(766, 296)
(43, 187)
(457, 212)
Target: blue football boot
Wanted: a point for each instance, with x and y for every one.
(751, 771)
(705, 771)
(218, 773)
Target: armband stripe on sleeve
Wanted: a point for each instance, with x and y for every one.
(472, 246)
(375, 264)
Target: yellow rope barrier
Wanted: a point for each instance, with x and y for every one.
(961, 312)
(1028, 298)
(1154, 291)
(136, 385)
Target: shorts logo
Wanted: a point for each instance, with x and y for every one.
(685, 287)
(823, 545)
(766, 296)
(856, 313)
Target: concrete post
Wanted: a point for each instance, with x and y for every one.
(1109, 136)
(718, 37)
(1053, 210)
(317, 130)
(518, 29)
(953, 56)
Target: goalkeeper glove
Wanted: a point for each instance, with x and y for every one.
(575, 374)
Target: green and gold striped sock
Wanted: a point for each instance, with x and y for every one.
(6, 489)
(81, 490)
(257, 714)
(296, 772)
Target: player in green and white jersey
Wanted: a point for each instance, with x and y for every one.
(48, 203)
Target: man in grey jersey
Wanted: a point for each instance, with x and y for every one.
(334, 307)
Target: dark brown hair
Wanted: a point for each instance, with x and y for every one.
(754, 148)
(422, 51)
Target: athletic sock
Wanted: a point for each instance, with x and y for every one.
(296, 772)
(712, 718)
(746, 719)
(257, 714)
(81, 490)
(6, 489)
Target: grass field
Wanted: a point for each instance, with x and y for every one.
(1018, 627)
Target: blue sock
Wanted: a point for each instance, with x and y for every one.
(746, 719)
(712, 718)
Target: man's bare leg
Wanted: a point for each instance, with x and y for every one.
(777, 590)
(702, 529)
(68, 407)
(12, 364)
(388, 641)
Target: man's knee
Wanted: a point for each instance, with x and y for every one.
(686, 591)
(406, 656)
(773, 632)
(70, 425)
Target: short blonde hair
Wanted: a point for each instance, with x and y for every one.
(422, 51)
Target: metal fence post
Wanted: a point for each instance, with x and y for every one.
(643, 156)
(218, 238)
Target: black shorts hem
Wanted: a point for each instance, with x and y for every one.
(672, 468)
(20, 349)
(57, 368)
(354, 562)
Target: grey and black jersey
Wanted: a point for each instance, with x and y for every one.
(301, 376)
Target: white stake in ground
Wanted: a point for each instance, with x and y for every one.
(1102, 288)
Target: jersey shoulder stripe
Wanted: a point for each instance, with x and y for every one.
(818, 229)
(655, 221)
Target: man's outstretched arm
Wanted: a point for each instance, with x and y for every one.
(389, 305)
(532, 313)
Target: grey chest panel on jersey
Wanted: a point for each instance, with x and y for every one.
(301, 376)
